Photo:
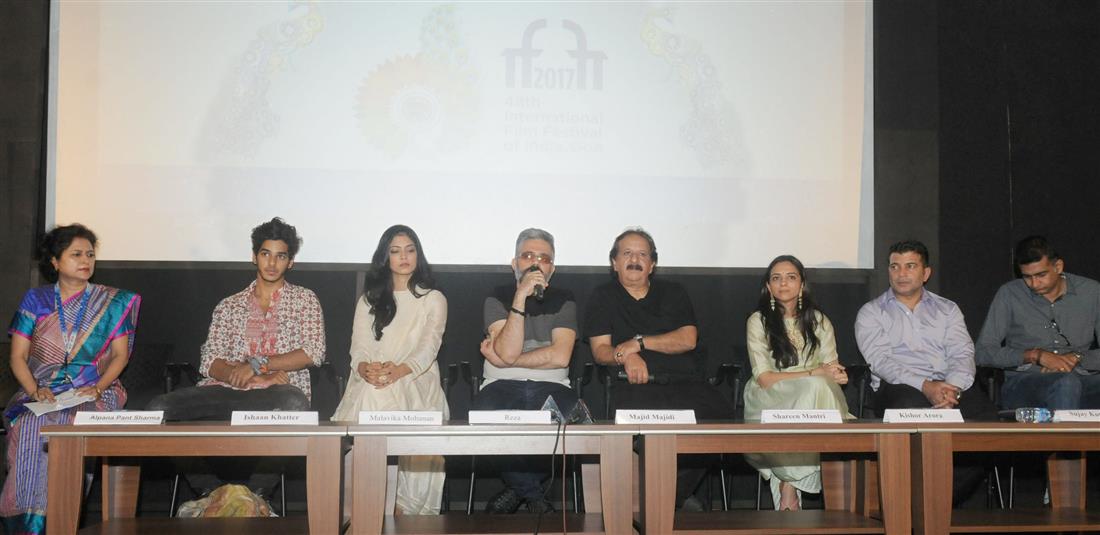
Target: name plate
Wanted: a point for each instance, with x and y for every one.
(807, 416)
(274, 418)
(510, 417)
(654, 417)
(119, 418)
(899, 416)
(400, 418)
(1077, 415)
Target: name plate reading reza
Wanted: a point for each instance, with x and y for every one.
(899, 416)
(119, 418)
(400, 418)
(510, 417)
(807, 416)
(654, 417)
(274, 418)
(1077, 415)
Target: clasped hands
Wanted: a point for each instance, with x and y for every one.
(941, 394)
(242, 377)
(833, 370)
(381, 374)
(1055, 362)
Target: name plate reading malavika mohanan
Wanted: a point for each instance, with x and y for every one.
(654, 417)
(400, 418)
(1077, 415)
(796, 416)
(908, 416)
(274, 418)
(510, 417)
(119, 418)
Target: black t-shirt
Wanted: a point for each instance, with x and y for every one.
(667, 307)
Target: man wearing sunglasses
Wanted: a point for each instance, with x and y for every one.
(1040, 329)
(531, 328)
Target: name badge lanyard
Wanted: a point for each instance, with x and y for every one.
(68, 336)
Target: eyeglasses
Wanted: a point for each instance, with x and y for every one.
(543, 259)
(1057, 329)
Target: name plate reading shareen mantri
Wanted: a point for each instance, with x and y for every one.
(119, 418)
(510, 417)
(800, 416)
(274, 418)
(654, 417)
(1077, 415)
(906, 416)
(400, 418)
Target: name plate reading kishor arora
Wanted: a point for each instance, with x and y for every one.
(400, 418)
(274, 418)
(510, 417)
(654, 416)
(905, 416)
(1077, 415)
(797, 416)
(119, 418)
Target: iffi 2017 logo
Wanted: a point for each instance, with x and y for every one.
(535, 77)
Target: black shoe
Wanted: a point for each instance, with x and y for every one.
(504, 502)
(539, 505)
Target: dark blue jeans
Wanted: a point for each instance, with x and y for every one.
(1051, 390)
(522, 473)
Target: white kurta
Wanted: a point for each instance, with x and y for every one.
(412, 338)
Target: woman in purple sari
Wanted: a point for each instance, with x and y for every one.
(70, 335)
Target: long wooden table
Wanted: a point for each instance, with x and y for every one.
(851, 496)
(69, 444)
(372, 444)
(934, 445)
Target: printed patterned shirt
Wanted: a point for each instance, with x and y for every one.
(240, 329)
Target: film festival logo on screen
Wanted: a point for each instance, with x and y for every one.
(588, 62)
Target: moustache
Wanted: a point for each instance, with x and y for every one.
(635, 267)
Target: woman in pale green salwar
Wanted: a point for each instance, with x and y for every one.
(792, 349)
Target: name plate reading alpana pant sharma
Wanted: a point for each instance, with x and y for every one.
(510, 417)
(908, 416)
(797, 416)
(274, 418)
(633, 416)
(400, 418)
(1077, 415)
(119, 418)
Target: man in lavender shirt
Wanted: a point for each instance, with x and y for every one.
(916, 342)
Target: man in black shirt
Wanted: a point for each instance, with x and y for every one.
(647, 326)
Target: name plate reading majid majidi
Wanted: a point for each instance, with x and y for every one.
(119, 418)
(800, 416)
(509, 417)
(633, 416)
(400, 418)
(274, 418)
(907, 416)
(1077, 415)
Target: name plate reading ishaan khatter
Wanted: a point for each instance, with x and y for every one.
(119, 418)
(800, 416)
(274, 418)
(400, 418)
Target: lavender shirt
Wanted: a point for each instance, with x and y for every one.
(909, 347)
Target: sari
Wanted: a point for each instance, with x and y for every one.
(101, 314)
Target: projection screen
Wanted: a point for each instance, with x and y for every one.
(732, 131)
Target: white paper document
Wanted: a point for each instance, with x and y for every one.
(62, 401)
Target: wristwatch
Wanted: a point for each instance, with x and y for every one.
(641, 341)
(259, 364)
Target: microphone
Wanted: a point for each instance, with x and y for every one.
(660, 378)
(539, 290)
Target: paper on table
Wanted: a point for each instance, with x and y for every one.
(62, 401)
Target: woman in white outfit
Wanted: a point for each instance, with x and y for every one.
(398, 328)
